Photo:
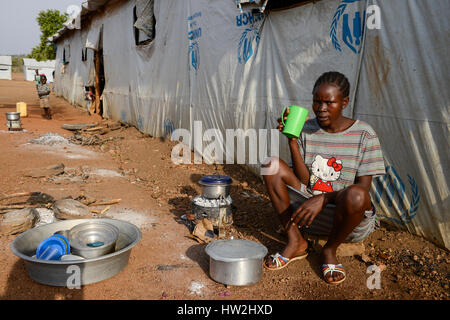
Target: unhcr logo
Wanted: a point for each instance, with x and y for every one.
(194, 34)
(249, 40)
(352, 27)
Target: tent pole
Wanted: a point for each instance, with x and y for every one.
(97, 82)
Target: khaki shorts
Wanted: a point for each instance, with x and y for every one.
(323, 223)
(44, 103)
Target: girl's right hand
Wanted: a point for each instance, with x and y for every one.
(280, 123)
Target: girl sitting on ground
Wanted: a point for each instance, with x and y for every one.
(333, 161)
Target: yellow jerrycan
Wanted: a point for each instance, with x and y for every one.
(22, 108)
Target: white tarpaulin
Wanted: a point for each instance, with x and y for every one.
(229, 69)
(6, 67)
(403, 93)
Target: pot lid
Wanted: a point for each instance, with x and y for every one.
(216, 179)
(235, 250)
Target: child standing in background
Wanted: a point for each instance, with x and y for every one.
(44, 95)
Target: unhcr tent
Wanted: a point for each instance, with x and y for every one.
(5, 67)
(44, 67)
(165, 65)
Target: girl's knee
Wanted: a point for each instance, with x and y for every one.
(356, 198)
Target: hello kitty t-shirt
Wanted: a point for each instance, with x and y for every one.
(334, 160)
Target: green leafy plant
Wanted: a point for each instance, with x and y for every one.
(50, 21)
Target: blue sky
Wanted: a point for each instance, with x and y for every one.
(19, 31)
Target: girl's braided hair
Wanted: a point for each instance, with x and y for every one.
(334, 78)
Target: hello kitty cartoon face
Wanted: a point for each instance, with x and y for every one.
(323, 172)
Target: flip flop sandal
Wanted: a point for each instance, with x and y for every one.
(282, 262)
(333, 268)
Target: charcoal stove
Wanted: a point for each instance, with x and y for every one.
(14, 125)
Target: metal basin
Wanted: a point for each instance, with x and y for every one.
(57, 273)
(84, 237)
(236, 262)
(12, 116)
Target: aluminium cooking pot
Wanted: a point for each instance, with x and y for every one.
(12, 116)
(236, 262)
(216, 186)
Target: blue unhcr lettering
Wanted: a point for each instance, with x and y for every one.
(239, 20)
(194, 34)
(248, 18)
(194, 53)
(195, 15)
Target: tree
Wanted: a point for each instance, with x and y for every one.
(50, 22)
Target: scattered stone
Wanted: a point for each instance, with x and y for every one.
(365, 258)
(45, 216)
(67, 209)
(18, 221)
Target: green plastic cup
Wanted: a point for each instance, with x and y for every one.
(295, 121)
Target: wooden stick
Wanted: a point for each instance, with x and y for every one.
(21, 194)
(105, 203)
(273, 238)
(12, 207)
(104, 210)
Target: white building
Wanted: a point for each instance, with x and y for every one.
(44, 67)
(5, 67)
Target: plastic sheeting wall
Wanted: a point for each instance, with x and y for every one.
(211, 63)
(403, 92)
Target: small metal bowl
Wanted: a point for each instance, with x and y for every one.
(93, 239)
(12, 116)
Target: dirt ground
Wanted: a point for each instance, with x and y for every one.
(155, 193)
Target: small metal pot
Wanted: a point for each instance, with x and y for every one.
(93, 239)
(12, 116)
(216, 186)
(236, 262)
